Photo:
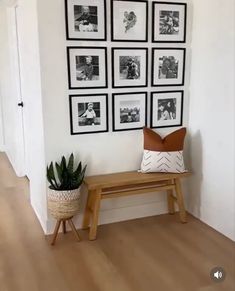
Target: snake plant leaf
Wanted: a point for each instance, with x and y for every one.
(53, 185)
(52, 174)
(50, 180)
(81, 176)
(71, 163)
(47, 172)
(59, 172)
(63, 163)
(78, 178)
(79, 168)
(66, 180)
(77, 171)
(48, 175)
(51, 171)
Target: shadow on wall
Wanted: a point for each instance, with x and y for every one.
(195, 181)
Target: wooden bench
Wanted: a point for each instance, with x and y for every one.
(130, 183)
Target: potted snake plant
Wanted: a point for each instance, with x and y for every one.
(64, 190)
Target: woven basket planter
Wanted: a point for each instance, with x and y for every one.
(63, 204)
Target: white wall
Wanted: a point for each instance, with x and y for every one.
(4, 71)
(106, 152)
(4, 66)
(31, 92)
(212, 113)
(1, 126)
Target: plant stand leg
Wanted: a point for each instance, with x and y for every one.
(64, 226)
(55, 232)
(74, 229)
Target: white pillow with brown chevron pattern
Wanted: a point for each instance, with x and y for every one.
(165, 162)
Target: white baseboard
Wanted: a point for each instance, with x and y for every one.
(42, 222)
(2, 148)
(119, 214)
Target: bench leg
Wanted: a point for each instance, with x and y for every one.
(87, 213)
(170, 200)
(171, 203)
(95, 214)
(180, 201)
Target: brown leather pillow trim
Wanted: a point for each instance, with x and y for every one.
(172, 142)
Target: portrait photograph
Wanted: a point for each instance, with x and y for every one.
(129, 111)
(169, 22)
(168, 66)
(87, 67)
(129, 20)
(129, 67)
(85, 19)
(88, 113)
(166, 109)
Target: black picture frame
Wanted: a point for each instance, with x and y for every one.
(72, 79)
(145, 39)
(135, 84)
(115, 129)
(180, 112)
(172, 40)
(89, 38)
(170, 82)
(86, 97)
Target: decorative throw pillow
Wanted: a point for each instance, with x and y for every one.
(163, 155)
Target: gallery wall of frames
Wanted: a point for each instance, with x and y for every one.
(86, 22)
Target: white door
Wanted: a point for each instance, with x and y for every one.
(13, 103)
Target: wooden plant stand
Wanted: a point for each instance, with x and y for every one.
(130, 183)
(57, 227)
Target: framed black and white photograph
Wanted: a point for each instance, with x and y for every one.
(129, 111)
(85, 19)
(87, 67)
(166, 109)
(168, 66)
(169, 22)
(129, 20)
(88, 113)
(129, 67)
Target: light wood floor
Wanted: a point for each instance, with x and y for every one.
(155, 253)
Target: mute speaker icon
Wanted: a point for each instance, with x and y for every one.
(218, 274)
